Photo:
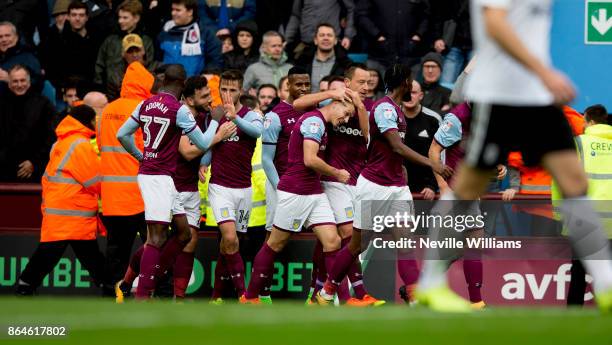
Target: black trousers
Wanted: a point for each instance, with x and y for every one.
(121, 232)
(48, 254)
(577, 286)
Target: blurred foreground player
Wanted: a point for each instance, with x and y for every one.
(162, 119)
(70, 190)
(513, 83)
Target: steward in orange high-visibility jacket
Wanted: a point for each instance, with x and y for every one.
(122, 205)
(70, 190)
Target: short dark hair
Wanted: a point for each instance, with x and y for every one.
(270, 86)
(78, 5)
(327, 78)
(189, 5)
(194, 83)
(249, 101)
(350, 71)
(84, 114)
(325, 25)
(297, 70)
(333, 78)
(231, 75)
(396, 75)
(132, 6)
(596, 113)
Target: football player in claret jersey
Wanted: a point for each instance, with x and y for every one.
(347, 149)
(229, 189)
(278, 124)
(163, 120)
(301, 201)
(381, 186)
(513, 83)
(196, 96)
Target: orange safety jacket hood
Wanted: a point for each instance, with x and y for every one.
(71, 185)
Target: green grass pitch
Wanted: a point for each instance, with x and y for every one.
(96, 321)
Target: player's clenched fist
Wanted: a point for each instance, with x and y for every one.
(342, 175)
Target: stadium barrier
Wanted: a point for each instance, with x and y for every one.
(510, 281)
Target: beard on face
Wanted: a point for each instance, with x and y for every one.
(201, 108)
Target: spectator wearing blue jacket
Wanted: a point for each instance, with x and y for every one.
(221, 16)
(183, 42)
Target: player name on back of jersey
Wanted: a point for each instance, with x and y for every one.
(157, 105)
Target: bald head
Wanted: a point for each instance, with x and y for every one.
(96, 100)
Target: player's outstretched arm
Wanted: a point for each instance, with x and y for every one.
(435, 154)
(309, 101)
(314, 162)
(206, 159)
(185, 121)
(271, 131)
(189, 151)
(267, 160)
(312, 130)
(363, 115)
(251, 124)
(125, 135)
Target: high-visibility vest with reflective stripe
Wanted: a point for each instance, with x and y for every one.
(258, 184)
(120, 192)
(71, 185)
(595, 150)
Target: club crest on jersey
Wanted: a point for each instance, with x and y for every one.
(388, 113)
(296, 224)
(267, 123)
(225, 212)
(349, 212)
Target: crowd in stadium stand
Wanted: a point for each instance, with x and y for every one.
(53, 52)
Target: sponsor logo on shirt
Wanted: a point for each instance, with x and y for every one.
(424, 134)
(348, 130)
(290, 120)
(234, 137)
